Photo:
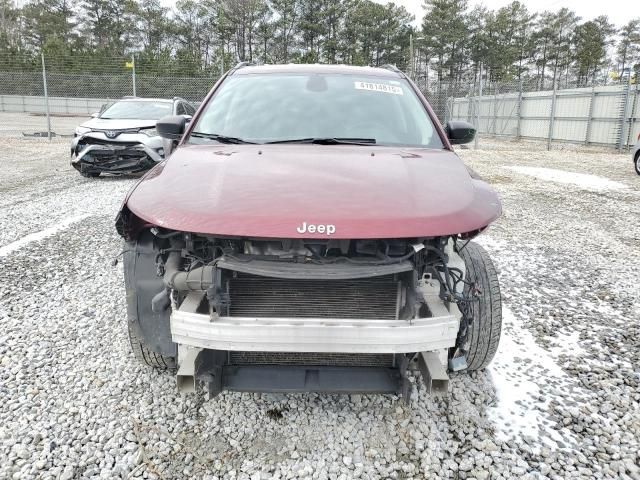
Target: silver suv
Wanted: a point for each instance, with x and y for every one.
(122, 137)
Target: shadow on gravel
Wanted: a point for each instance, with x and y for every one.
(116, 178)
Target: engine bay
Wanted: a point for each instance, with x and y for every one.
(325, 278)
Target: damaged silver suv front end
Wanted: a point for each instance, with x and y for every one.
(122, 138)
(116, 151)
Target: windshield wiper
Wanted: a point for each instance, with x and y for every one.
(220, 138)
(329, 141)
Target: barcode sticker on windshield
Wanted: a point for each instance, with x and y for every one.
(379, 87)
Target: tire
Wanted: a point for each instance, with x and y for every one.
(484, 331)
(636, 162)
(146, 356)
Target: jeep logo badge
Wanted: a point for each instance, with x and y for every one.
(311, 228)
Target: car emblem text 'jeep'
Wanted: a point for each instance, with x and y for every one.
(311, 228)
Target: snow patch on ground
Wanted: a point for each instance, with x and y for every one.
(583, 180)
(47, 232)
(567, 344)
(518, 361)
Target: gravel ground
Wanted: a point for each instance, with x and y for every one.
(561, 400)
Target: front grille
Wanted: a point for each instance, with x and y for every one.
(106, 157)
(121, 156)
(109, 142)
(312, 359)
(370, 298)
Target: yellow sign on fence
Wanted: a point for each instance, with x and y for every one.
(129, 64)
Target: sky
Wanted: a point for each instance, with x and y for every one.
(618, 11)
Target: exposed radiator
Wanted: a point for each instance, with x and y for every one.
(256, 296)
(312, 359)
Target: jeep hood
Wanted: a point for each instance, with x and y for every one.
(270, 190)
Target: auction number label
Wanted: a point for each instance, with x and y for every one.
(379, 87)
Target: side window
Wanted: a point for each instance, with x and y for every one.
(190, 109)
(181, 110)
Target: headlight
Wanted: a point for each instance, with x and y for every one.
(82, 130)
(150, 132)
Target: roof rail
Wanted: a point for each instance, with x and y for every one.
(393, 68)
(240, 65)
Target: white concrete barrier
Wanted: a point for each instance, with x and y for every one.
(581, 115)
(57, 105)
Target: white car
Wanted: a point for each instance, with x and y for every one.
(122, 137)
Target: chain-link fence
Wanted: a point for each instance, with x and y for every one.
(50, 95)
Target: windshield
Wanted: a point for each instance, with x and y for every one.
(285, 107)
(132, 110)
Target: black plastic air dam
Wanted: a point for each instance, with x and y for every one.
(291, 379)
(336, 271)
(201, 278)
(212, 367)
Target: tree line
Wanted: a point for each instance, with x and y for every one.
(514, 44)
(197, 36)
(450, 46)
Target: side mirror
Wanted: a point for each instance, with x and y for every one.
(171, 127)
(459, 132)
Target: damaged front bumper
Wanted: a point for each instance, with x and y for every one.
(317, 334)
(222, 351)
(93, 152)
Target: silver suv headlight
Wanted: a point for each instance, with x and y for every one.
(80, 130)
(150, 132)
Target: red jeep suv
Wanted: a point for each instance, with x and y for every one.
(311, 231)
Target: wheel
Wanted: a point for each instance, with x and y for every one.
(636, 162)
(146, 356)
(484, 329)
(149, 331)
